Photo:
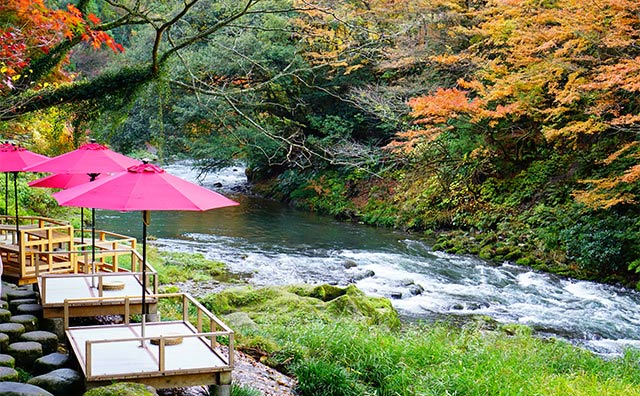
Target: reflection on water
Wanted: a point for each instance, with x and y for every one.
(280, 245)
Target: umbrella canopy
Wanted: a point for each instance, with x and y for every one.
(91, 159)
(62, 180)
(16, 159)
(88, 158)
(145, 188)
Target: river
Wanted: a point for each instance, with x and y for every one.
(276, 245)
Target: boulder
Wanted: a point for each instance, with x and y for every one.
(30, 309)
(60, 382)
(7, 361)
(25, 353)
(17, 389)
(8, 374)
(50, 362)
(13, 330)
(48, 340)
(54, 325)
(29, 322)
(18, 294)
(122, 389)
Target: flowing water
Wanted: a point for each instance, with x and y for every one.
(278, 245)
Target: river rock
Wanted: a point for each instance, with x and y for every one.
(362, 275)
(61, 382)
(25, 353)
(416, 290)
(396, 295)
(48, 340)
(350, 264)
(50, 362)
(17, 389)
(29, 322)
(13, 330)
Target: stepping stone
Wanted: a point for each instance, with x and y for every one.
(9, 388)
(7, 361)
(18, 294)
(13, 304)
(8, 374)
(30, 309)
(54, 325)
(29, 322)
(5, 315)
(49, 341)
(25, 353)
(50, 362)
(61, 382)
(4, 342)
(13, 330)
(4, 304)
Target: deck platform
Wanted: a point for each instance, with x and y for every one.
(89, 288)
(121, 353)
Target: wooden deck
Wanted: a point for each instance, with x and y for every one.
(89, 289)
(154, 359)
(42, 245)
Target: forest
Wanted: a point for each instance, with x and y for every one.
(507, 129)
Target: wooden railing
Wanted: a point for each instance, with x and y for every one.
(22, 250)
(99, 277)
(195, 321)
(108, 247)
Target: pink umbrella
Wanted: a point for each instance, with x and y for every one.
(61, 180)
(16, 159)
(91, 159)
(143, 187)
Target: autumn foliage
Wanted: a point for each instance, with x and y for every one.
(30, 30)
(552, 73)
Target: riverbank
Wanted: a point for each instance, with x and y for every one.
(329, 341)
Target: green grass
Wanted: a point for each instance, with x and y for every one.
(346, 358)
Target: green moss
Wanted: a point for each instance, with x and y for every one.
(121, 389)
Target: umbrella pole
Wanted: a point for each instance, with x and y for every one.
(15, 196)
(93, 246)
(82, 226)
(6, 193)
(145, 222)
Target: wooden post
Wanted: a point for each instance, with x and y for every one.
(161, 354)
(87, 347)
(185, 309)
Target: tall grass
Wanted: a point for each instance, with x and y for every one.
(346, 358)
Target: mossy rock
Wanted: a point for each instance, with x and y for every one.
(19, 294)
(4, 304)
(13, 330)
(30, 309)
(14, 304)
(486, 253)
(25, 353)
(327, 292)
(281, 304)
(30, 322)
(4, 342)
(48, 340)
(122, 389)
(7, 361)
(8, 374)
(5, 315)
(240, 321)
